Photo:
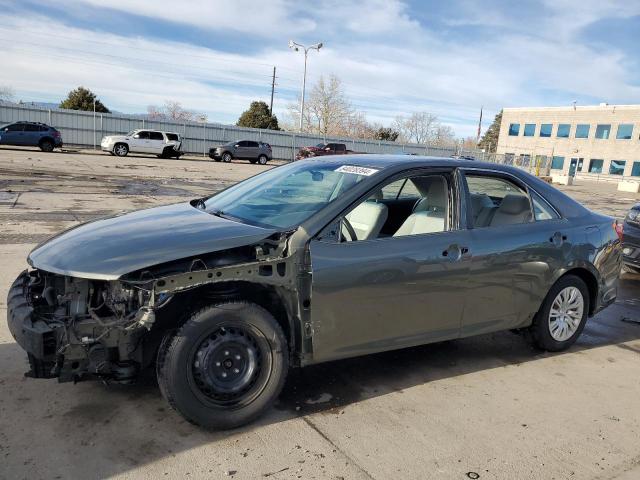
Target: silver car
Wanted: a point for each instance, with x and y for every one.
(255, 152)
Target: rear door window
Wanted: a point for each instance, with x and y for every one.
(156, 136)
(31, 128)
(496, 202)
(252, 144)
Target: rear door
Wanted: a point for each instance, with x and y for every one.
(156, 143)
(389, 291)
(252, 150)
(32, 134)
(516, 244)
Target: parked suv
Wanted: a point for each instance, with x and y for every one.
(631, 240)
(31, 134)
(259, 152)
(163, 144)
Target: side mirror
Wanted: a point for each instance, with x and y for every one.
(137, 135)
(327, 149)
(237, 145)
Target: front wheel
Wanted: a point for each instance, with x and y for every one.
(225, 366)
(226, 157)
(121, 149)
(562, 316)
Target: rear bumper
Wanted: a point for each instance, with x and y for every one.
(34, 336)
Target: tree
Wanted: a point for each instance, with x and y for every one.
(469, 143)
(386, 133)
(258, 116)
(327, 111)
(82, 99)
(489, 141)
(173, 110)
(444, 136)
(6, 93)
(419, 127)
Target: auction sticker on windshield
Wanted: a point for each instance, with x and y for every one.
(356, 170)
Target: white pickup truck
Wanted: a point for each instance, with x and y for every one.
(163, 144)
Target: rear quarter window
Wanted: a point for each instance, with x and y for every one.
(172, 136)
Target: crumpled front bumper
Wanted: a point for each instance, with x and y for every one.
(34, 336)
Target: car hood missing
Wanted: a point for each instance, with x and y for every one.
(108, 248)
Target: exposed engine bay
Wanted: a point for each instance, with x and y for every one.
(89, 326)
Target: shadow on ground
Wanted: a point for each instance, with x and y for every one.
(79, 423)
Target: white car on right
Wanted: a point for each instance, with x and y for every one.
(162, 144)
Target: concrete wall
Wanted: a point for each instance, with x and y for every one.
(586, 148)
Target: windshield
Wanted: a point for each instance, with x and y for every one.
(286, 196)
(320, 145)
(131, 133)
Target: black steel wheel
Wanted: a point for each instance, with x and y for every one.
(225, 366)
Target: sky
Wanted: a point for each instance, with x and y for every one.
(394, 57)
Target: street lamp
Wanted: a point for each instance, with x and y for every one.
(296, 47)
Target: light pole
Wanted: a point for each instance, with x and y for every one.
(296, 47)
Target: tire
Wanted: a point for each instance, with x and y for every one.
(227, 157)
(121, 149)
(225, 366)
(46, 145)
(559, 331)
(263, 159)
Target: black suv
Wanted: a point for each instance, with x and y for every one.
(31, 134)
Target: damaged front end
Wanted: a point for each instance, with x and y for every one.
(73, 328)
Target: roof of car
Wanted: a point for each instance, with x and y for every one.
(384, 161)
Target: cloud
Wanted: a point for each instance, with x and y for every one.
(393, 57)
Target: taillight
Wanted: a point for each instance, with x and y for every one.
(268, 146)
(619, 228)
(56, 134)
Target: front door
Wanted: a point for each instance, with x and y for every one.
(388, 291)
(139, 142)
(12, 134)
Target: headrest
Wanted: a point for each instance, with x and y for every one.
(437, 194)
(514, 204)
(376, 195)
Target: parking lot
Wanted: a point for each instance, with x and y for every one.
(491, 405)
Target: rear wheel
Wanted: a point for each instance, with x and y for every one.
(225, 366)
(562, 316)
(226, 157)
(46, 145)
(121, 149)
(263, 159)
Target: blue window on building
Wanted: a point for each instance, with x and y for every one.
(557, 163)
(603, 131)
(563, 130)
(514, 129)
(625, 131)
(635, 170)
(595, 165)
(545, 129)
(582, 130)
(529, 129)
(616, 167)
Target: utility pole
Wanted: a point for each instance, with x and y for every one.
(273, 86)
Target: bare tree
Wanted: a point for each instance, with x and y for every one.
(419, 127)
(327, 110)
(444, 136)
(173, 110)
(6, 93)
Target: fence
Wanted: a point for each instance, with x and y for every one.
(85, 129)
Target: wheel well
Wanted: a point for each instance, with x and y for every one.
(592, 285)
(227, 151)
(266, 296)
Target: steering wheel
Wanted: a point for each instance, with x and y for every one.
(350, 230)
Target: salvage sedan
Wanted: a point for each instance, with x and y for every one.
(317, 260)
